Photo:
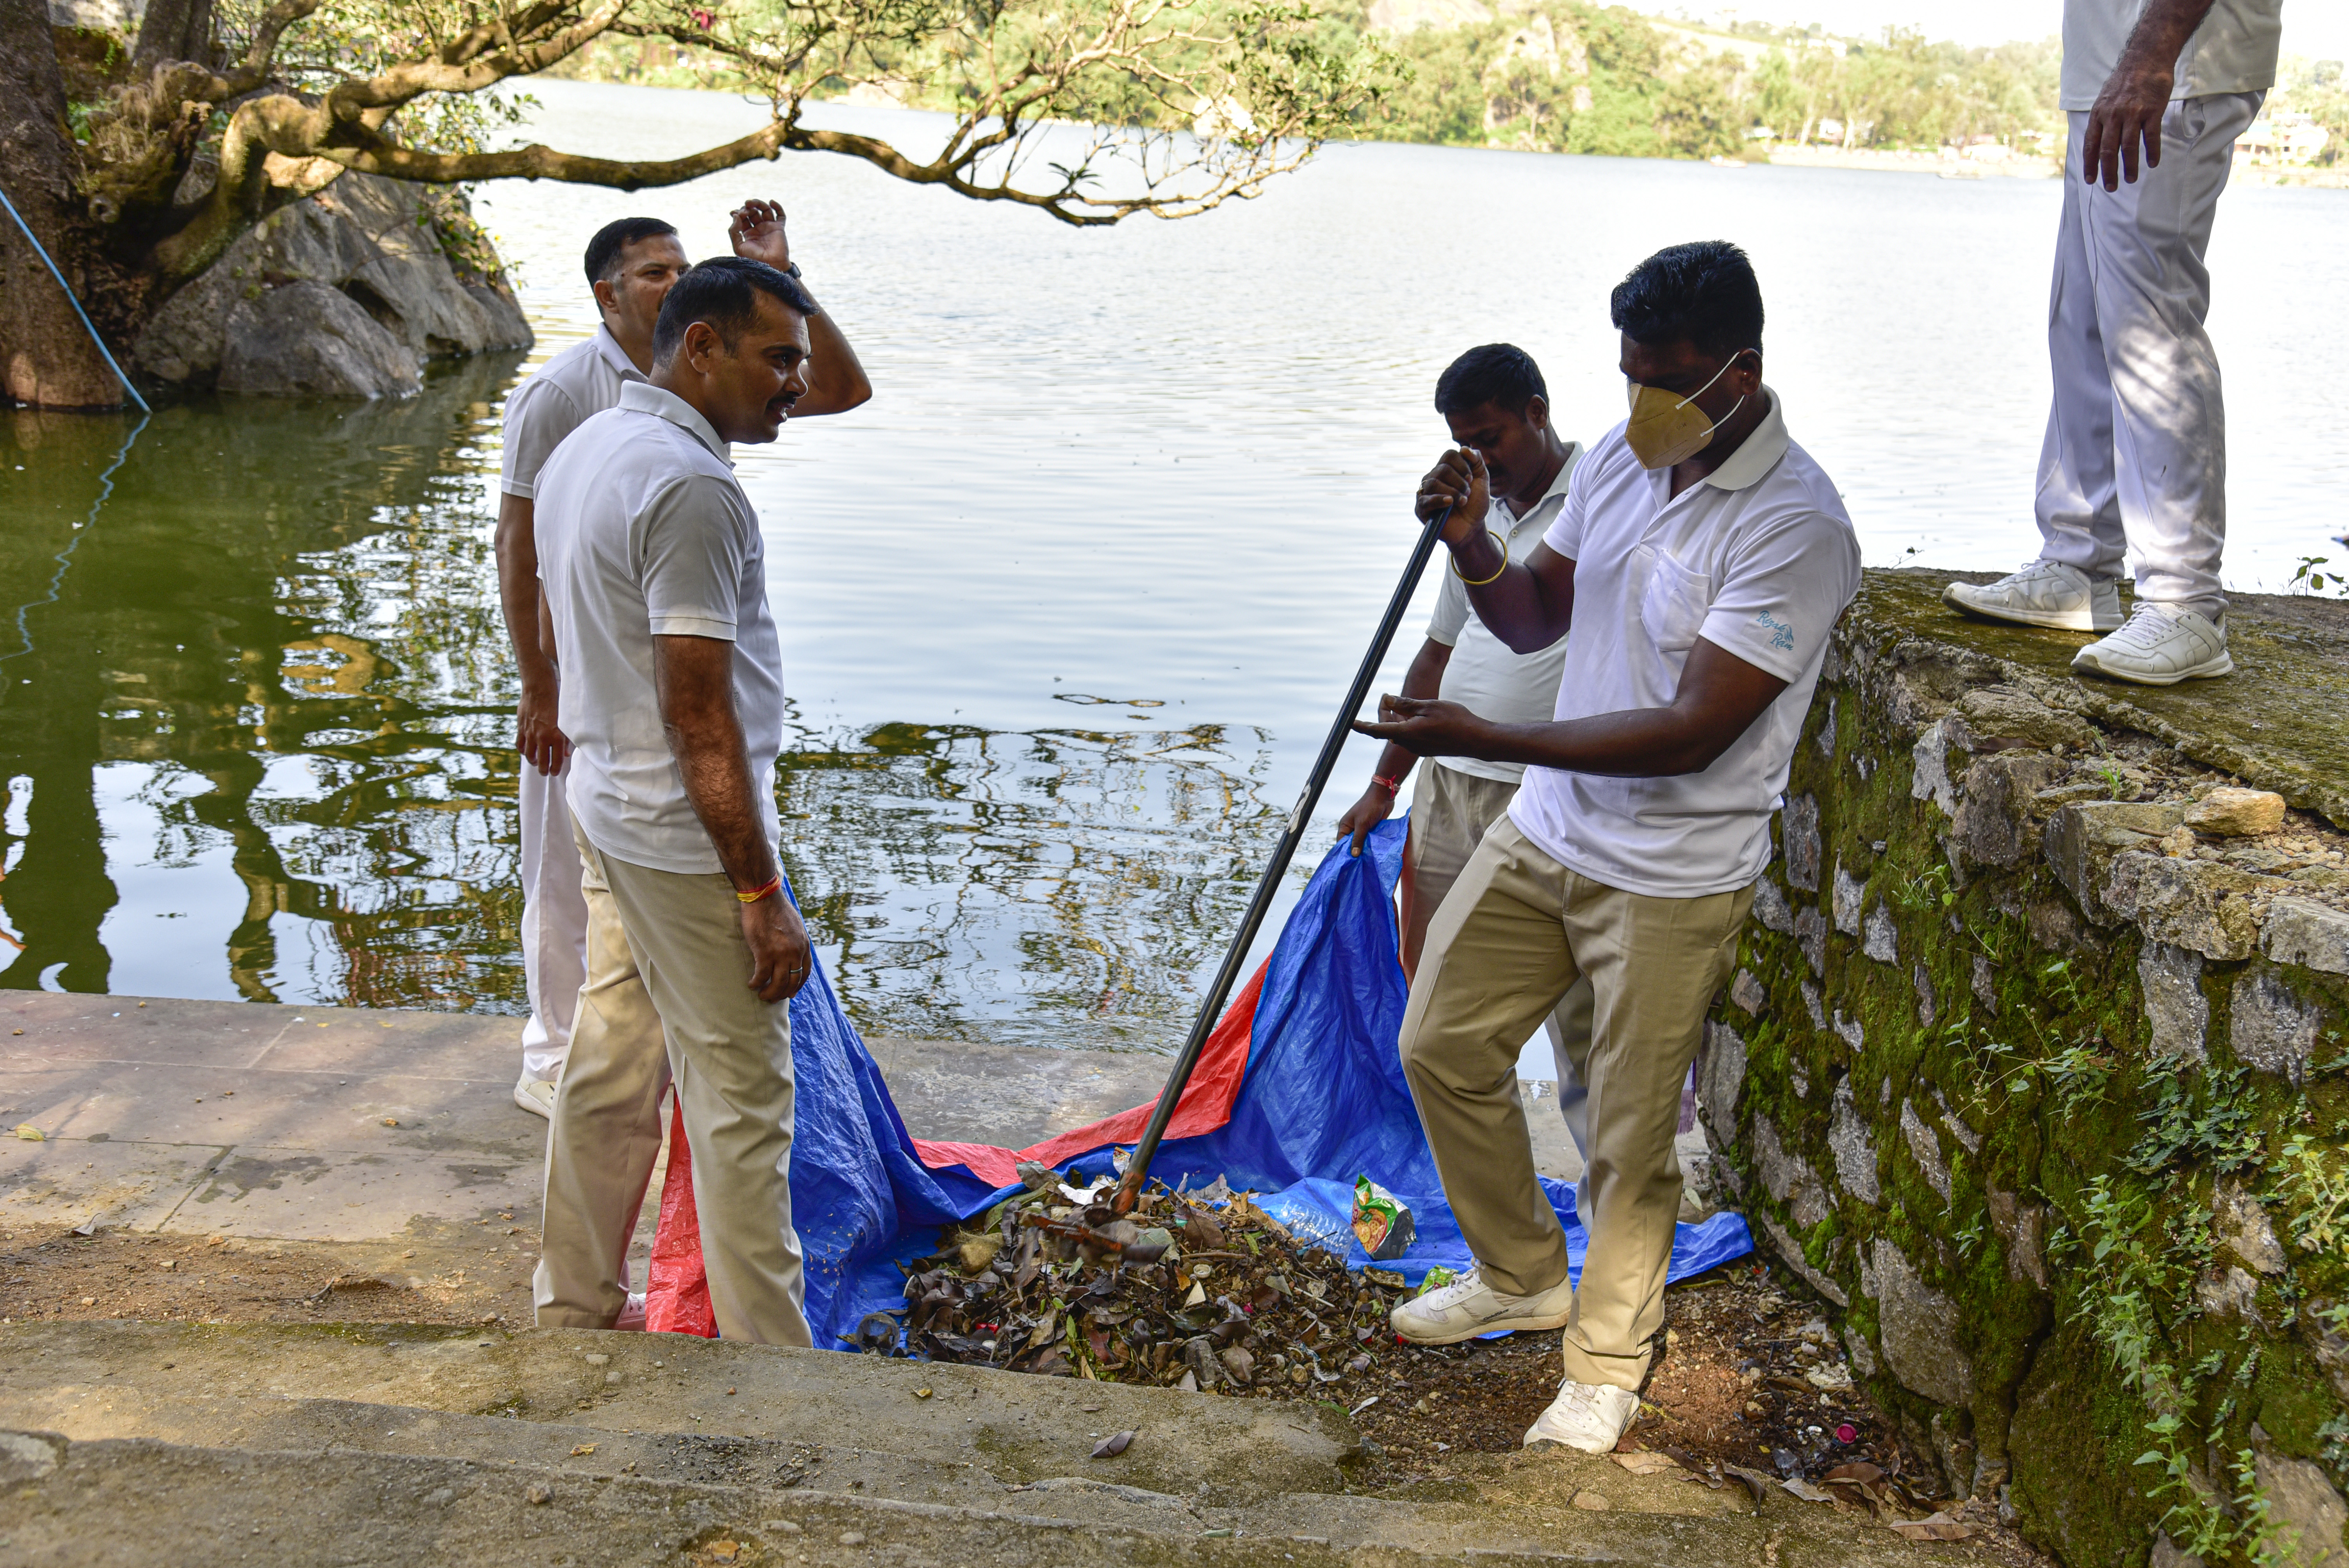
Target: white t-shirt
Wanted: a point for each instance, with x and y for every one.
(1485, 674)
(585, 379)
(643, 532)
(1759, 559)
(2233, 51)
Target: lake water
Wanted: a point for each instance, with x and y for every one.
(1066, 608)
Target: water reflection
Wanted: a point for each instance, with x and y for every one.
(255, 739)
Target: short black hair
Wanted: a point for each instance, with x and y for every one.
(604, 250)
(724, 292)
(1501, 374)
(1702, 293)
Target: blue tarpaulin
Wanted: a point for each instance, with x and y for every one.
(1322, 1100)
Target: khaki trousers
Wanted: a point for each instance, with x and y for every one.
(667, 999)
(1449, 813)
(1517, 933)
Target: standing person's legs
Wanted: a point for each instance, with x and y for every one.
(1449, 811)
(2146, 243)
(732, 1056)
(606, 1130)
(2078, 505)
(1654, 964)
(1496, 962)
(553, 931)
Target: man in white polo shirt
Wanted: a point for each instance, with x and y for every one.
(1697, 569)
(673, 700)
(1494, 401)
(2132, 474)
(631, 264)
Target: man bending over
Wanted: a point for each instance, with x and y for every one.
(1696, 571)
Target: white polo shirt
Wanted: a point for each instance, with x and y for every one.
(2233, 51)
(643, 532)
(1759, 559)
(585, 379)
(1485, 674)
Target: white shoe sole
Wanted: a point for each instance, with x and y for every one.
(1516, 1324)
(2081, 619)
(2224, 664)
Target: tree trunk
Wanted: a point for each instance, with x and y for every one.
(173, 30)
(46, 355)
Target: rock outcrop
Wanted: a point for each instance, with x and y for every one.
(2074, 957)
(347, 295)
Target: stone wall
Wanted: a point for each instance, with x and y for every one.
(2036, 1065)
(347, 294)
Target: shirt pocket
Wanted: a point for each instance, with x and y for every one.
(1673, 607)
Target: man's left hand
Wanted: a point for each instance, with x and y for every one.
(1426, 726)
(2128, 114)
(757, 234)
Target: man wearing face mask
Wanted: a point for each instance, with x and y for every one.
(2134, 469)
(631, 264)
(1696, 571)
(1495, 403)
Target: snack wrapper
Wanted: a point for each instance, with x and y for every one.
(1381, 1224)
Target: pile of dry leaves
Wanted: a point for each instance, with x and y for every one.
(1196, 1290)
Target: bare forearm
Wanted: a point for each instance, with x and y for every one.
(2162, 30)
(1423, 679)
(518, 594)
(1515, 605)
(1636, 743)
(837, 376)
(716, 769)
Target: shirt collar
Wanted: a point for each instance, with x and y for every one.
(614, 356)
(1758, 454)
(1557, 489)
(643, 397)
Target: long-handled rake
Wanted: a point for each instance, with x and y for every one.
(1137, 1168)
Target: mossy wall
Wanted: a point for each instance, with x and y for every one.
(2046, 1087)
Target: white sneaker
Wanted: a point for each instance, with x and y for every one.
(535, 1096)
(632, 1316)
(2162, 645)
(1468, 1308)
(1592, 1416)
(2044, 594)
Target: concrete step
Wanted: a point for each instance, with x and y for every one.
(435, 1437)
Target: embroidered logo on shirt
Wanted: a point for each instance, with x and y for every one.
(1782, 631)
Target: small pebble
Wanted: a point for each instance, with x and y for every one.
(539, 1492)
(1592, 1501)
(852, 1538)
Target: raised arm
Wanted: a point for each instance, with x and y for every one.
(1527, 605)
(694, 678)
(1718, 698)
(836, 379)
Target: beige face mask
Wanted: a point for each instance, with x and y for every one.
(1666, 428)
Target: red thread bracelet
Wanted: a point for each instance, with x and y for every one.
(1393, 786)
(765, 890)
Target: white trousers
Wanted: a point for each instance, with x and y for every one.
(553, 923)
(2134, 468)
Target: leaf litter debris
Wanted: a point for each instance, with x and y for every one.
(1204, 1291)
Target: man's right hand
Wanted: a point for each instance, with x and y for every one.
(779, 963)
(542, 744)
(1375, 806)
(1459, 481)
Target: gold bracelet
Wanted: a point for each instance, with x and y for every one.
(1480, 581)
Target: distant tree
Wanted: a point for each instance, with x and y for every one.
(139, 165)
